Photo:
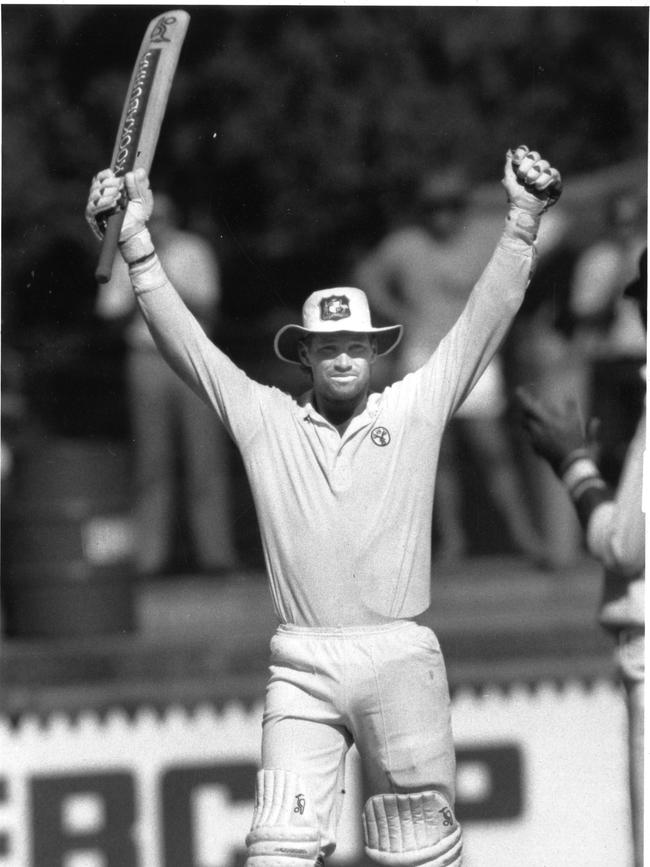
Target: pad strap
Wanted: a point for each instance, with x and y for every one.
(272, 846)
(136, 247)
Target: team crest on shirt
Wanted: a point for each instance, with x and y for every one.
(334, 307)
(380, 436)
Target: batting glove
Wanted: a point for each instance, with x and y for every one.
(107, 194)
(532, 186)
(135, 241)
(103, 199)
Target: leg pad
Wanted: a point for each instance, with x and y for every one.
(412, 830)
(282, 847)
(284, 832)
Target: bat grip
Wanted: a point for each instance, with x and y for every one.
(109, 246)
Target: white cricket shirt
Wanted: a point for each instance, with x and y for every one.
(345, 520)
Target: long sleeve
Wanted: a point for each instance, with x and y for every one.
(616, 529)
(616, 537)
(184, 344)
(466, 350)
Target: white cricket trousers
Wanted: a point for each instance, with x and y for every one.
(383, 688)
(630, 655)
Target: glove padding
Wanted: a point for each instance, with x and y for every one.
(109, 193)
(531, 183)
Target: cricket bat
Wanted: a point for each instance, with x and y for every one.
(142, 114)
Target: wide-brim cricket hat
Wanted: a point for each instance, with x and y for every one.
(327, 311)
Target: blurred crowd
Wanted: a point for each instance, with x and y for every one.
(576, 335)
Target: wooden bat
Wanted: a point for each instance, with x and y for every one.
(142, 115)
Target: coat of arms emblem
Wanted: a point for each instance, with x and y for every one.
(334, 307)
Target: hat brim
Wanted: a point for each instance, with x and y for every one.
(288, 337)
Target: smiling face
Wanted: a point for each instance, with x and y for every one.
(340, 364)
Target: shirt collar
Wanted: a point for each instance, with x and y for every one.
(309, 411)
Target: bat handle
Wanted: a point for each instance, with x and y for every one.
(109, 246)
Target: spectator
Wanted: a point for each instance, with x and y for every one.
(608, 329)
(180, 450)
(541, 352)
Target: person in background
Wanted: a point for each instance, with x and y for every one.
(181, 454)
(421, 274)
(614, 528)
(540, 352)
(608, 331)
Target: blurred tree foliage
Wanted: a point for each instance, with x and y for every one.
(297, 132)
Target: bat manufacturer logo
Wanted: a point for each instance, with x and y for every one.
(300, 804)
(380, 436)
(334, 307)
(159, 33)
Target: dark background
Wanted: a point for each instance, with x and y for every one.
(296, 133)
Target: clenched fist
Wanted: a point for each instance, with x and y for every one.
(531, 182)
(109, 192)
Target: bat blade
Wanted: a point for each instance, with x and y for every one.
(143, 113)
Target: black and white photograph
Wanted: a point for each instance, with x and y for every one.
(324, 341)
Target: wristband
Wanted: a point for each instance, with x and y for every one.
(581, 474)
(137, 247)
(522, 224)
(572, 456)
(147, 275)
(594, 483)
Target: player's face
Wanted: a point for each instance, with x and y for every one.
(340, 364)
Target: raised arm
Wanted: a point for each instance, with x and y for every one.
(179, 336)
(532, 185)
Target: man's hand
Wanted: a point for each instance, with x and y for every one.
(531, 183)
(109, 192)
(555, 434)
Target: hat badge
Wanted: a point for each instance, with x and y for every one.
(334, 307)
